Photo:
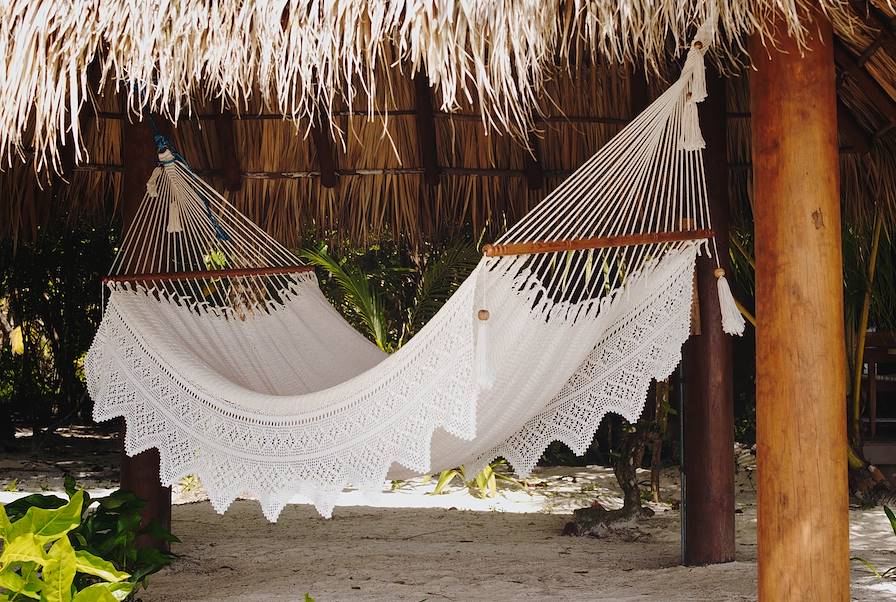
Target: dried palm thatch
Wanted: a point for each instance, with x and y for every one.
(302, 58)
(523, 92)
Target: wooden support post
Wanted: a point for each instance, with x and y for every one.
(230, 161)
(322, 136)
(708, 411)
(426, 130)
(533, 168)
(803, 528)
(140, 473)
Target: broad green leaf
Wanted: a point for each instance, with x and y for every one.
(10, 580)
(85, 562)
(30, 573)
(50, 525)
(5, 525)
(95, 593)
(104, 592)
(17, 509)
(24, 548)
(59, 572)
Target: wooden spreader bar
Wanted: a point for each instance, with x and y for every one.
(606, 242)
(207, 274)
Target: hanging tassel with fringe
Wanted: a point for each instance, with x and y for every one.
(174, 224)
(732, 321)
(485, 369)
(691, 138)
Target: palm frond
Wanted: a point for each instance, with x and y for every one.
(358, 295)
(441, 275)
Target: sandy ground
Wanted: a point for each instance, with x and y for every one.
(411, 545)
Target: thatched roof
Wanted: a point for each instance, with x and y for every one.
(494, 79)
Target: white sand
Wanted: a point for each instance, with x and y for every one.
(514, 551)
(414, 546)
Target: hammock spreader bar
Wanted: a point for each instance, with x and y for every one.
(208, 274)
(602, 242)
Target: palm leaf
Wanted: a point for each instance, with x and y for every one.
(442, 273)
(358, 295)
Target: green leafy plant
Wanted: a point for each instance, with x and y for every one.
(108, 527)
(484, 484)
(40, 563)
(890, 572)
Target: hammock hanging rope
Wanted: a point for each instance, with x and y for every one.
(220, 350)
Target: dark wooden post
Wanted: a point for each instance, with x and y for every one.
(230, 161)
(322, 137)
(426, 130)
(140, 473)
(533, 169)
(708, 411)
(803, 528)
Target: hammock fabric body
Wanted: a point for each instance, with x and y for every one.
(253, 382)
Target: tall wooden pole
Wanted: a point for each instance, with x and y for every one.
(803, 529)
(140, 473)
(708, 411)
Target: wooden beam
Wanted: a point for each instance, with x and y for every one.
(874, 18)
(803, 512)
(322, 137)
(708, 409)
(426, 130)
(606, 242)
(867, 84)
(140, 473)
(533, 169)
(857, 140)
(230, 161)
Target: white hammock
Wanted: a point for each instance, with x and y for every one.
(222, 355)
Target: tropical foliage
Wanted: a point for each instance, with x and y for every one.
(103, 529)
(49, 310)
(388, 290)
(39, 561)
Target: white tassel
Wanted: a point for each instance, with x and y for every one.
(732, 321)
(698, 77)
(691, 137)
(174, 224)
(485, 369)
(152, 185)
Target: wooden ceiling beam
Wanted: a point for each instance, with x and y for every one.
(426, 130)
(856, 139)
(874, 18)
(230, 162)
(850, 67)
